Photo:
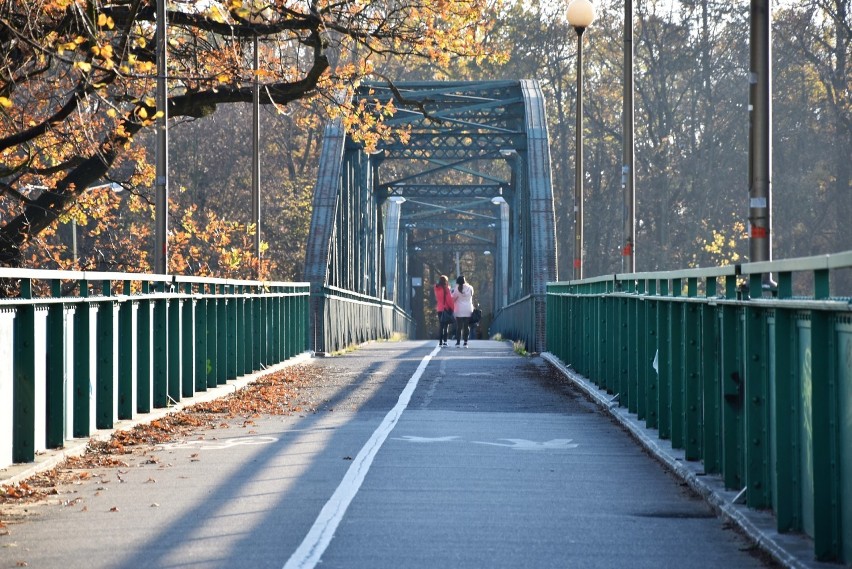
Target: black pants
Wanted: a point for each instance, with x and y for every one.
(462, 328)
(443, 331)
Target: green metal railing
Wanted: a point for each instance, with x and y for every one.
(342, 318)
(754, 381)
(81, 350)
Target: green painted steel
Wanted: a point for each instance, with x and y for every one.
(23, 390)
(56, 370)
(128, 343)
(145, 352)
(756, 382)
(128, 314)
(84, 368)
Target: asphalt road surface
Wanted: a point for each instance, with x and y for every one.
(411, 457)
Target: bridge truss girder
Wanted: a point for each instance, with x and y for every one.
(474, 174)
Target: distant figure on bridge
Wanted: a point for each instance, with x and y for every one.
(445, 307)
(463, 298)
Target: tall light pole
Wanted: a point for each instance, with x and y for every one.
(161, 182)
(255, 157)
(628, 250)
(581, 14)
(760, 134)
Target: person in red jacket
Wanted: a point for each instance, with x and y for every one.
(444, 306)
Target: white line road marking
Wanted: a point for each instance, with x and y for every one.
(411, 439)
(523, 444)
(220, 445)
(309, 552)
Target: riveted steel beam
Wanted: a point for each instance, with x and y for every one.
(473, 171)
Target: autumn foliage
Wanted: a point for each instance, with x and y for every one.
(78, 99)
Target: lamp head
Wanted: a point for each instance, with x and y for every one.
(581, 14)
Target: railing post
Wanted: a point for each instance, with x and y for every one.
(692, 402)
(242, 333)
(643, 342)
(188, 343)
(710, 374)
(85, 363)
(230, 314)
(652, 386)
(677, 385)
(106, 399)
(275, 326)
(7, 381)
(629, 335)
(201, 358)
(756, 402)
(733, 389)
(24, 387)
(215, 356)
(259, 320)
(128, 349)
(664, 345)
(824, 423)
(57, 361)
(786, 491)
(145, 369)
(175, 345)
(161, 346)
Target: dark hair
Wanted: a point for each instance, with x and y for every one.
(460, 280)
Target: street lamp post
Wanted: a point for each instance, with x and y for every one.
(628, 255)
(581, 14)
(161, 183)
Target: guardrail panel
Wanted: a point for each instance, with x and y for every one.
(844, 376)
(79, 363)
(759, 387)
(7, 379)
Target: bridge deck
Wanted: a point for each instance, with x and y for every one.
(493, 461)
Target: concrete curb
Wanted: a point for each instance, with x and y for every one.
(794, 551)
(51, 458)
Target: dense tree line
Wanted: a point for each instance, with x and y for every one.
(691, 128)
(691, 132)
(77, 97)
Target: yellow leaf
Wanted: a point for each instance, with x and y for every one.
(4, 102)
(83, 66)
(143, 114)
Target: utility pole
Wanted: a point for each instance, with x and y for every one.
(161, 182)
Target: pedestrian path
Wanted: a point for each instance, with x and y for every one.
(405, 455)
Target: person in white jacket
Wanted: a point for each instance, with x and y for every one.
(463, 300)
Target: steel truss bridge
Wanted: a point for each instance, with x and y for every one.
(472, 175)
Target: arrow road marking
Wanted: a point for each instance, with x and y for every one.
(208, 445)
(410, 439)
(523, 444)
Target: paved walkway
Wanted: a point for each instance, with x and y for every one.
(412, 457)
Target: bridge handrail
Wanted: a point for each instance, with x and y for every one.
(342, 318)
(96, 276)
(78, 360)
(743, 375)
